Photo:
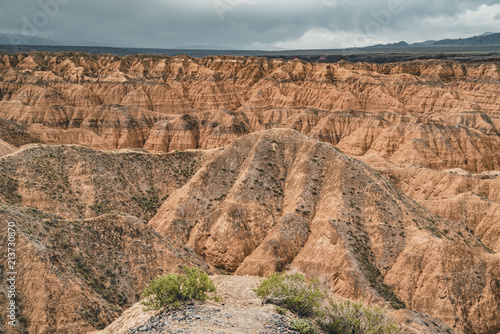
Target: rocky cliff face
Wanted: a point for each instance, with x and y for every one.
(178, 84)
(86, 257)
(271, 200)
(471, 200)
(277, 199)
(258, 179)
(77, 182)
(77, 276)
(439, 114)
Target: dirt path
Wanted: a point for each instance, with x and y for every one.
(240, 312)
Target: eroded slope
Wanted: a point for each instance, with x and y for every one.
(277, 199)
(77, 276)
(78, 182)
(441, 114)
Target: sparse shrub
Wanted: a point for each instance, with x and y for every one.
(65, 244)
(280, 310)
(348, 317)
(303, 326)
(293, 292)
(171, 289)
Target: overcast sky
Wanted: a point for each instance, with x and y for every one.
(249, 24)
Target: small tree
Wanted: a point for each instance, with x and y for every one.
(171, 289)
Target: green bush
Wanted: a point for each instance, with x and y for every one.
(292, 292)
(349, 317)
(303, 326)
(172, 289)
(280, 310)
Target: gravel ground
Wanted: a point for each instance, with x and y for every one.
(240, 312)
(206, 318)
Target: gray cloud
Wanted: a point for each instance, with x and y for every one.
(248, 23)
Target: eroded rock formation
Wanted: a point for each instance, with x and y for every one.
(78, 276)
(277, 199)
(242, 188)
(440, 114)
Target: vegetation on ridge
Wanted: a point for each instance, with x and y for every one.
(308, 298)
(172, 289)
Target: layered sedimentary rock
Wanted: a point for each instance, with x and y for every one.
(440, 114)
(182, 84)
(78, 276)
(248, 197)
(277, 199)
(77, 182)
(403, 140)
(472, 200)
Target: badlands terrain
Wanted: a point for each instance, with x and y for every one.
(381, 180)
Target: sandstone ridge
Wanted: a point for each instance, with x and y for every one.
(78, 276)
(441, 114)
(119, 169)
(277, 199)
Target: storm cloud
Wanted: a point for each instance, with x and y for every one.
(248, 24)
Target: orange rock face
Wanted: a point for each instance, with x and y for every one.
(277, 199)
(471, 200)
(439, 114)
(266, 182)
(78, 276)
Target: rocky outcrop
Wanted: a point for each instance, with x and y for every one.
(404, 140)
(440, 114)
(277, 199)
(248, 193)
(77, 182)
(242, 311)
(471, 200)
(78, 276)
(103, 127)
(179, 84)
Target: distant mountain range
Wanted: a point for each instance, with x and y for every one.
(481, 40)
(486, 39)
(204, 47)
(16, 39)
(16, 43)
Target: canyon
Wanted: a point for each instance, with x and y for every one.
(383, 180)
